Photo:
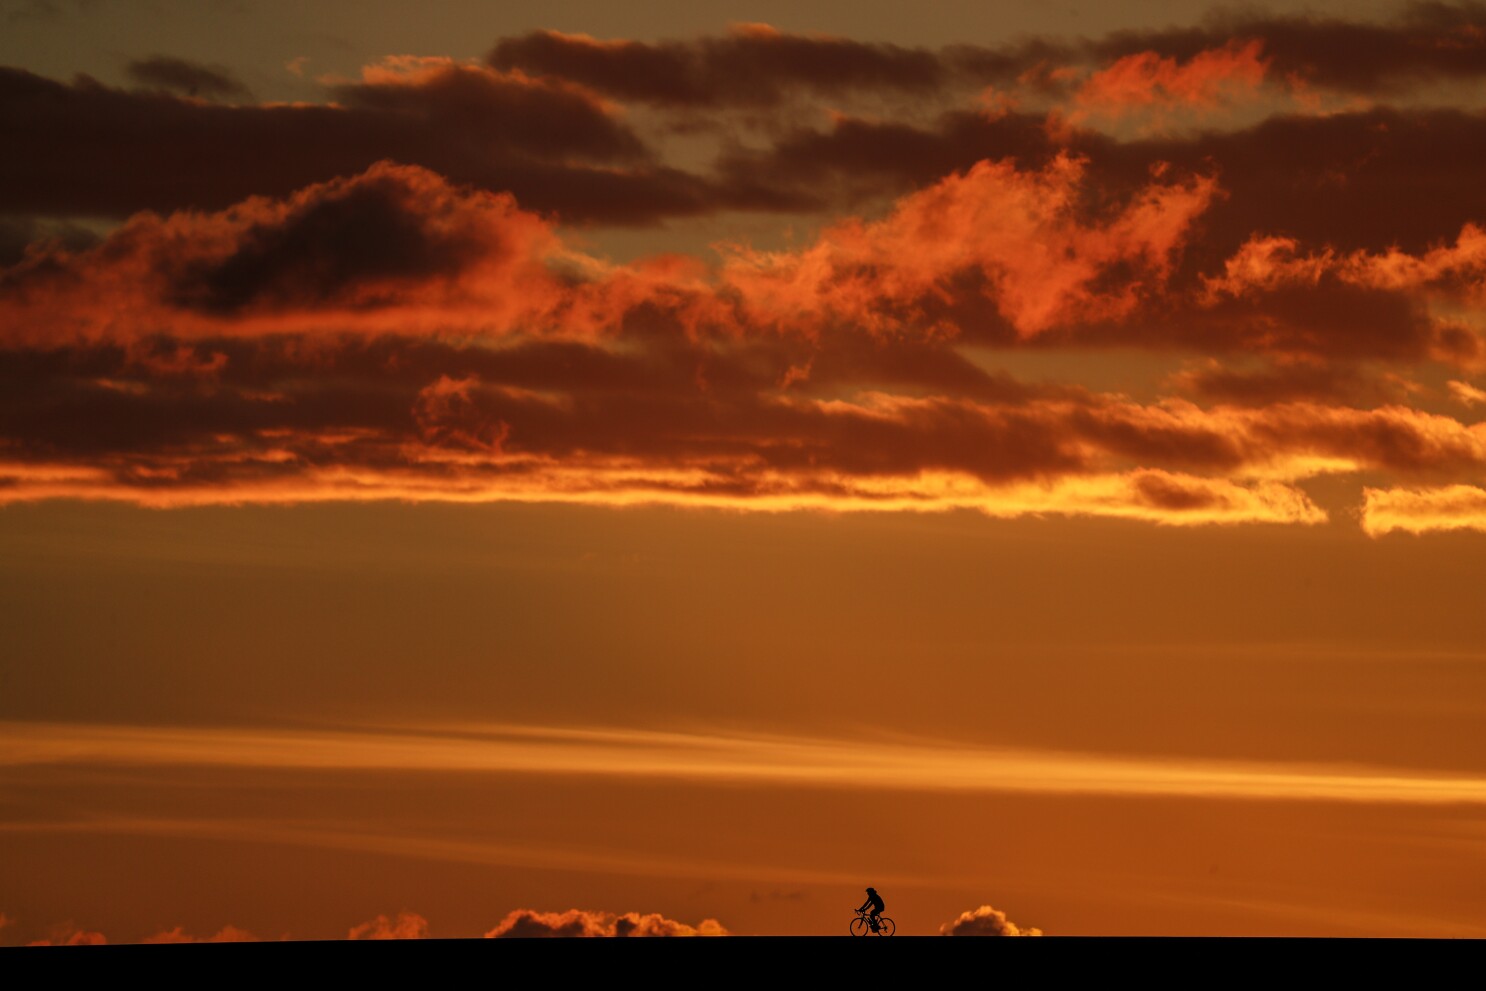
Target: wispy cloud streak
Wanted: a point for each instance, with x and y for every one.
(780, 760)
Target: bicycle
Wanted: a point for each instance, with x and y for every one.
(862, 925)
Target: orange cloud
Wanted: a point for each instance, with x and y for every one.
(1266, 263)
(1451, 507)
(407, 925)
(396, 246)
(589, 423)
(1466, 394)
(1146, 80)
(1018, 235)
(394, 336)
(985, 921)
(67, 934)
(399, 248)
(527, 923)
(227, 934)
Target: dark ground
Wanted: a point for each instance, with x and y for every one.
(904, 962)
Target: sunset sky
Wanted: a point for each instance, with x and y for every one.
(485, 468)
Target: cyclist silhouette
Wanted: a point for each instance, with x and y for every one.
(874, 900)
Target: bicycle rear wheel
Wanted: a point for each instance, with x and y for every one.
(885, 926)
(859, 926)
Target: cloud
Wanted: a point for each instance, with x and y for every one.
(768, 422)
(67, 934)
(410, 925)
(1450, 507)
(186, 78)
(395, 334)
(510, 111)
(407, 925)
(975, 229)
(627, 754)
(227, 934)
(358, 243)
(985, 921)
(752, 65)
(756, 65)
(85, 149)
(1159, 87)
(1349, 180)
(20, 235)
(394, 237)
(527, 923)
(401, 239)
(1270, 262)
(1424, 42)
(1466, 394)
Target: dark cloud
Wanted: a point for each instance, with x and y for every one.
(1355, 180)
(1163, 492)
(1222, 382)
(1425, 42)
(366, 238)
(502, 113)
(87, 149)
(752, 66)
(1349, 180)
(756, 66)
(390, 334)
(230, 415)
(19, 234)
(859, 159)
(186, 78)
(535, 126)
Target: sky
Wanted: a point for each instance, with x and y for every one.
(592, 469)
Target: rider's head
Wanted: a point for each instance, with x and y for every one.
(871, 891)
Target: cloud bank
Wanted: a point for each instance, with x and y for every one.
(1231, 219)
(517, 924)
(527, 923)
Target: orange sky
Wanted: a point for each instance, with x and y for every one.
(697, 470)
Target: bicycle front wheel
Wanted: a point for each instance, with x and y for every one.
(859, 926)
(885, 926)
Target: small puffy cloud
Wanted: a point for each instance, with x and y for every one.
(528, 923)
(1164, 86)
(68, 934)
(1466, 394)
(227, 934)
(985, 921)
(406, 925)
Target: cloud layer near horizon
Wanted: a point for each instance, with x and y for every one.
(517, 924)
(1171, 276)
